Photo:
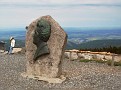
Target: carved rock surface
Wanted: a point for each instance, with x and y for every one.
(47, 65)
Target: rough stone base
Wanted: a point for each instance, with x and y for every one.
(49, 80)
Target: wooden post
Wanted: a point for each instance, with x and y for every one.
(78, 55)
(112, 63)
(70, 55)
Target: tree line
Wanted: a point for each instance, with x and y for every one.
(112, 49)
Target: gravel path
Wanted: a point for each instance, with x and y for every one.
(80, 76)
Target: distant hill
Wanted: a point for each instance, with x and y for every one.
(94, 44)
(84, 38)
(101, 43)
(72, 45)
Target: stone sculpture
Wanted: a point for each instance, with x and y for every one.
(45, 43)
(40, 38)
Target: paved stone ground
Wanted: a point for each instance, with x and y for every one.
(80, 76)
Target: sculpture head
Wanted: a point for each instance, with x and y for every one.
(40, 37)
(42, 32)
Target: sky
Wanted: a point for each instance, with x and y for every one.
(68, 13)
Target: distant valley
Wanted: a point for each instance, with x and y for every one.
(77, 37)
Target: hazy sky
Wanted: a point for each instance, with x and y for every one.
(74, 13)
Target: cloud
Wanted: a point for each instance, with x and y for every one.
(83, 1)
(63, 1)
(66, 12)
(55, 4)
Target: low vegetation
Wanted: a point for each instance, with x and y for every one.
(112, 49)
(109, 62)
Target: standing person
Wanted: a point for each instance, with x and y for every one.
(12, 44)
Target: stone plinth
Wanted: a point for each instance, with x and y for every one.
(47, 66)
